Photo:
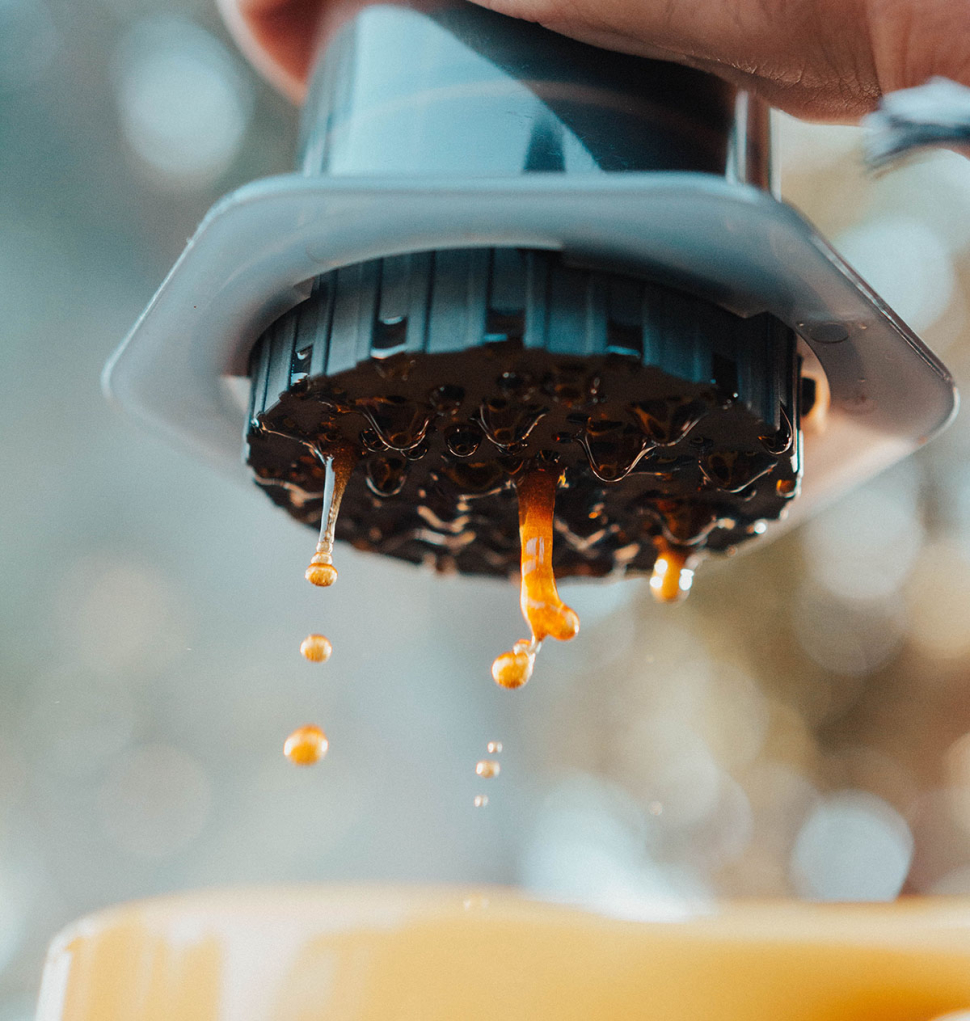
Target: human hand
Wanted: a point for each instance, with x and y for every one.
(822, 59)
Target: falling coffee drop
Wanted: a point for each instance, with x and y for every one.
(494, 747)
(339, 467)
(480, 801)
(316, 648)
(487, 768)
(306, 745)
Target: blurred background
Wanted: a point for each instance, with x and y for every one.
(801, 727)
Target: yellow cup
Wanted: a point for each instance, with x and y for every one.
(375, 954)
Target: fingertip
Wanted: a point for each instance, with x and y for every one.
(277, 37)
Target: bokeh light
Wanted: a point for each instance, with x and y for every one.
(939, 593)
(849, 638)
(864, 546)
(852, 846)
(183, 104)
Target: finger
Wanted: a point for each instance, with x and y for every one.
(914, 40)
(279, 37)
(826, 59)
(811, 57)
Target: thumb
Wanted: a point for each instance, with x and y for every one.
(823, 59)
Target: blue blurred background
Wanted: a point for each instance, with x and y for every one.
(798, 728)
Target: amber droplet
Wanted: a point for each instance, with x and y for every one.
(339, 466)
(321, 572)
(306, 745)
(316, 648)
(786, 487)
(514, 668)
(487, 768)
(481, 800)
(494, 747)
(671, 579)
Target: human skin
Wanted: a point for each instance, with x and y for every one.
(820, 59)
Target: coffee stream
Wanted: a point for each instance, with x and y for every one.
(545, 613)
(338, 467)
(308, 745)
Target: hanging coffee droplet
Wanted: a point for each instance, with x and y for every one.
(672, 578)
(306, 745)
(338, 467)
(320, 572)
(316, 648)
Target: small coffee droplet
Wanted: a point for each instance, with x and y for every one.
(487, 768)
(481, 800)
(513, 669)
(786, 487)
(321, 574)
(306, 745)
(493, 747)
(316, 648)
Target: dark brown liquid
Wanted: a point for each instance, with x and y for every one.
(544, 612)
